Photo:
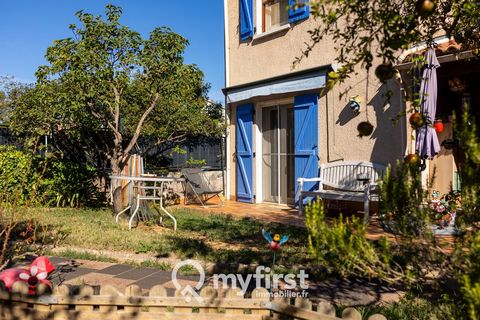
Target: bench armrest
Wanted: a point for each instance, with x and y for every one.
(301, 181)
(309, 180)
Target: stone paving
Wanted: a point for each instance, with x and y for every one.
(84, 272)
(78, 272)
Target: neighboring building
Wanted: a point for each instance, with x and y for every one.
(283, 122)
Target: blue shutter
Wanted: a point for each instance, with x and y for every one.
(244, 150)
(299, 13)
(246, 19)
(306, 140)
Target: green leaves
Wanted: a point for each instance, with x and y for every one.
(106, 89)
(384, 27)
(340, 246)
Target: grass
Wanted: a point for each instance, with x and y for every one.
(411, 307)
(209, 237)
(83, 255)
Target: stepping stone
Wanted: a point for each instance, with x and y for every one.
(66, 276)
(136, 274)
(160, 277)
(116, 269)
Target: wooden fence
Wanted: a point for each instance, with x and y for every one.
(108, 303)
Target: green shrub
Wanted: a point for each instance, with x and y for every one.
(70, 184)
(341, 247)
(414, 308)
(19, 176)
(402, 208)
(28, 179)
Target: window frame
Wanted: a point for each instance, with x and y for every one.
(260, 20)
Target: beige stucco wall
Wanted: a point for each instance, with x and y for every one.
(271, 55)
(274, 55)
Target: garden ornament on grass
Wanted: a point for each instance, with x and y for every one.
(275, 243)
(33, 275)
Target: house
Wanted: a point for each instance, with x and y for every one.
(282, 121)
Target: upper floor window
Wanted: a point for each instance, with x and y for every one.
(269, 15)
(274, 14)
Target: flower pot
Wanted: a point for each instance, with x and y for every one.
(438, 125)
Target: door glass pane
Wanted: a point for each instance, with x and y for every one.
(270, 154)
(287, 175)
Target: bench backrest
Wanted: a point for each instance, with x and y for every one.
(343, 175)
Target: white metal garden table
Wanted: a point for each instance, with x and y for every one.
(146, 191)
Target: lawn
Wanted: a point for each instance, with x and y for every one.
(208, 237)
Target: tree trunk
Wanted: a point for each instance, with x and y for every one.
(117, 188)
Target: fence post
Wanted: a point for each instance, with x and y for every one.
(19, 310)
(134, 292)
(303, 304)
(85, 293)
(326, 308)
(351, 314)
(112, 292)
(178, 294)
(158, 291)
(234, 293)
(63, 291)
(262, 295)
(42, 289)
(208, 294)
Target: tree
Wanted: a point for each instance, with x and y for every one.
(363, 30)
(109, 85)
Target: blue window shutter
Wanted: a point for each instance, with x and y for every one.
(306, 139)
(244, 151)
(246, 19)
(299, 13)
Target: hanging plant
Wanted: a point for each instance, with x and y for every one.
(417, 120)
(384, 71)
(365, 129)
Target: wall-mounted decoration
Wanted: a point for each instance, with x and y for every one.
(354, 104)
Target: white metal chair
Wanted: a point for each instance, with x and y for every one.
(199, 186)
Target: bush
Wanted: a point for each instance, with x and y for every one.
(28, 179)
(70, 184)
(18, 176)
(341, 247)
(402, 207)
(411, 307)
(413, 257)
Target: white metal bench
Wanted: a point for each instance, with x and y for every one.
(345, 181)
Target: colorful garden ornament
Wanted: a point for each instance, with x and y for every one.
(33, 275)
(275, 243)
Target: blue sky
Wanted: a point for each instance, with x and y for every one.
(28, 27)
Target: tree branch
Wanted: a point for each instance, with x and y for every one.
(116, 132)
(134, 139)
(117, 106)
